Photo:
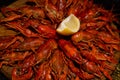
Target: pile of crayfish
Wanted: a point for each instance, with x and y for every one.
(37, 52)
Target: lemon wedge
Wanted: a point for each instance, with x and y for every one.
(69, 25)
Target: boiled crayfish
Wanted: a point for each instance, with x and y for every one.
(37, 52)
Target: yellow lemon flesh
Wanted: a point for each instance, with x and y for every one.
(69, 25)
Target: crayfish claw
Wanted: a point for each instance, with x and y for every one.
(25, 76)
